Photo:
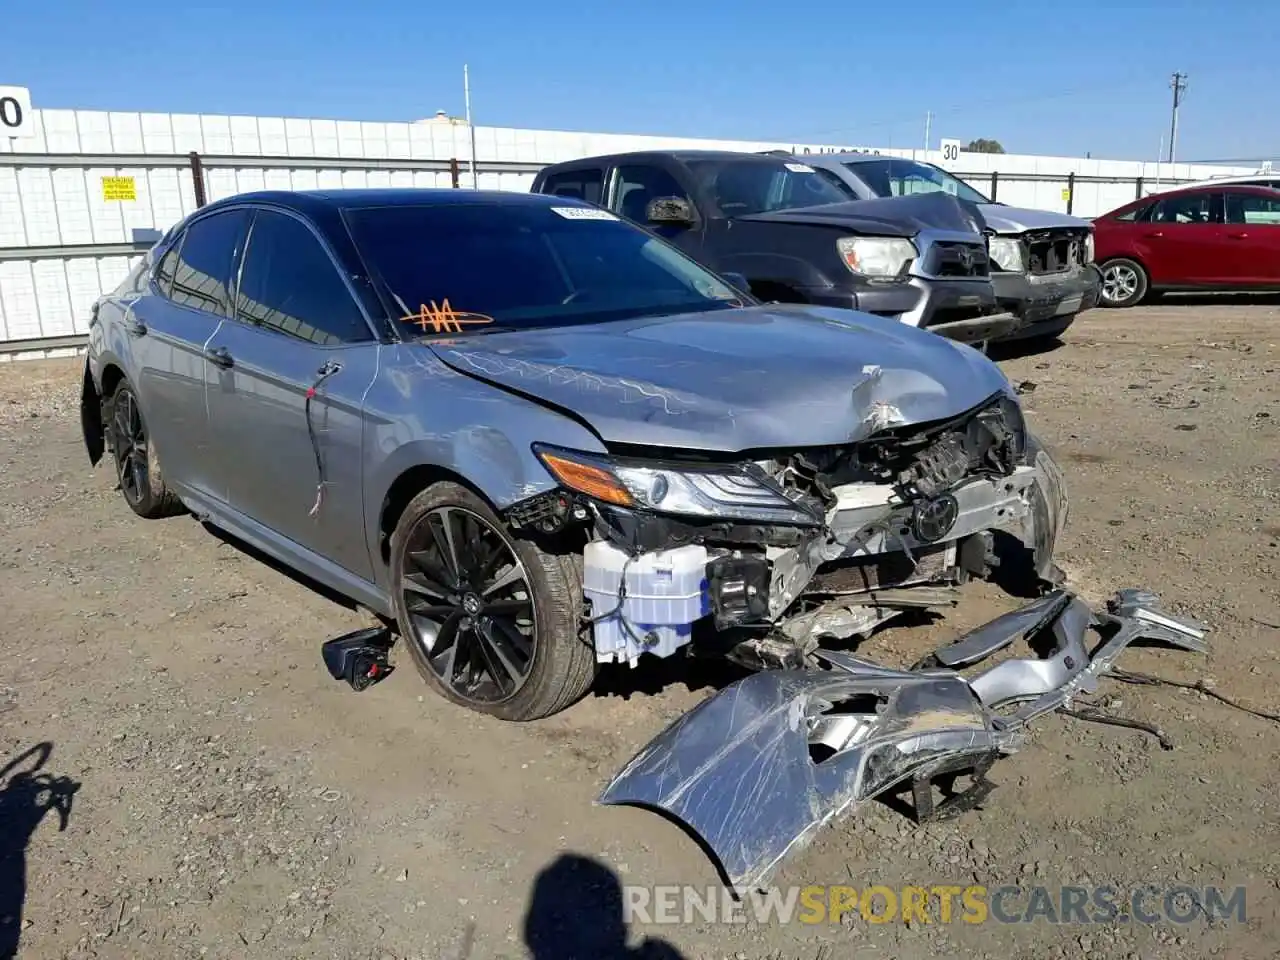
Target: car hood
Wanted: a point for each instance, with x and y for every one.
(887, 216)
(1007, 220)
(759, 377)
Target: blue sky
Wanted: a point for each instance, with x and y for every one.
(1056, 78)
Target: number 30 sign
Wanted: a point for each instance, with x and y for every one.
(16, 118)
(950, 150)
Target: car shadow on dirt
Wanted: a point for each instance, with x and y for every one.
(1017, 349)
(1240, 299)
(576, 913)
(26, 797)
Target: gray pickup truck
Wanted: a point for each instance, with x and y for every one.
(1042, 265)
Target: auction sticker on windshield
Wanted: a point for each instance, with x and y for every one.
(799, 168)
(584, 213)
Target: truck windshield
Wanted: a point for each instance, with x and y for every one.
(475, 267)
(744, 187)
(894, 177)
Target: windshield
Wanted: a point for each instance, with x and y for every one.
(743, 187)
(893, 177)
(467, 267)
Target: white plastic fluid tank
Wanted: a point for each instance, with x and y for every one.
(666, 592)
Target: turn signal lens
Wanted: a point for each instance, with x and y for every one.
(588, 479)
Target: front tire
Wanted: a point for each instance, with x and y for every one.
(1124, 283)
(492, 622)
(137, 465)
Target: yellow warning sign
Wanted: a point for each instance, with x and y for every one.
(119, 188)
(1066, 194)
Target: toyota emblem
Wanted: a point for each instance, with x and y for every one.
(934, 519)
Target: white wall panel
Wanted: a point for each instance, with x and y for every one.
(49, 205)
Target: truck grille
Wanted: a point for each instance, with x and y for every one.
(955, 259)
(1055, 251)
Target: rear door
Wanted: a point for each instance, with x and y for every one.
(1253, 229)
(168, 328)
(294, 468)
(1186, 240)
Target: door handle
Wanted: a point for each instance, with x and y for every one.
(219, 356)
(1155, 235)
(1238, 236)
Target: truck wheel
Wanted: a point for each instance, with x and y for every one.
(492, 622)
(137, 465)
(1124, 283)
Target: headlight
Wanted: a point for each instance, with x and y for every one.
(711, 493)
(1006, 253)
(1017, 424)
(1088, 247)
(881, 258)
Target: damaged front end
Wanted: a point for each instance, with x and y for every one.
(757, 769)
(786, 549)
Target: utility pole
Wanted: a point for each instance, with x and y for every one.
(928, 124)
(1178, 83)
(471, 127)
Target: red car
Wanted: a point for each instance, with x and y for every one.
(1203, 238)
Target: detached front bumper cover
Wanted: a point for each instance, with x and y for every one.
(757, 769)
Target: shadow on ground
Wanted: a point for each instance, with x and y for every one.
(576, 913)
(26, 797)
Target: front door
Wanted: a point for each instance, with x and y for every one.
(291, 466)
(1188, 241)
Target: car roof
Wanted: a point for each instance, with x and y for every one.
(311, 202)
(1248, 188)
(682, 156)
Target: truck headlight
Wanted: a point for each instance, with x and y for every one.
(1006, 254)
(880, 258)
(707, 493)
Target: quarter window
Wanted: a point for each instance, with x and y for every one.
(290, 284)
(167, 267)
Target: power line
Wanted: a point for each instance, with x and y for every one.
(1178, 83)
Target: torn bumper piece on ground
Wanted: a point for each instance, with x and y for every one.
(757, 769)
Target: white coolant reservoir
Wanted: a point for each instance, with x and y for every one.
(666, 592)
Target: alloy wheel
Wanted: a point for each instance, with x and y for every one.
(1119, 282)
(129, 445)
(469, 604)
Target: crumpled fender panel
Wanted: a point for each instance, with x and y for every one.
(757, 769)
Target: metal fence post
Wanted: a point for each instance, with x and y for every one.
(455, 173)
(197, 179)
(1071, 191)
(995, 183)
(1137, 195)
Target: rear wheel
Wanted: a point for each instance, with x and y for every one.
(1124, 283)
(137, 465)
(492, 622)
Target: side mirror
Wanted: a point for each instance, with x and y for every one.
(738, 282)
(670, 211)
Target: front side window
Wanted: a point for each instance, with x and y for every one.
(290, 284)
(745, 187)
(1253, 209)
(202, 274)
(1189, 208)
(636, 184)
(471, 267)
(894, 177)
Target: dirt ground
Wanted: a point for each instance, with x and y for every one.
(224, 798)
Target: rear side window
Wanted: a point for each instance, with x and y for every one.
(202, 277)
(585, 185)
(836, 182)
(167, 267)
(1189, 208)
(291, 285)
